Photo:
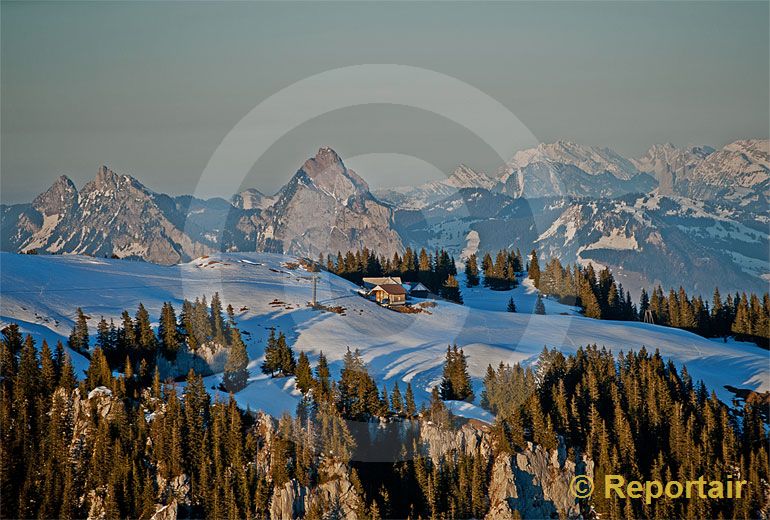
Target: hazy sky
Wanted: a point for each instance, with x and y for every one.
(151, 89)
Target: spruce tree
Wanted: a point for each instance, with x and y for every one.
(67, 377)
(511, 307)
(236, 367)
(287, 363)
(168, 332)
(396, 402)
(78, 339)
(217, 322)
(471, 271)
(486, 268)
(145, 337)
(126, 335)
(322, 378)
(272, 362)
(103, 335)
(539, 305)
(534, 268)
(304, 374)
(450, 290)
(409, 405)
(644, 304)
(48, 375)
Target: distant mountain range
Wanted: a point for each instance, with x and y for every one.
(693, 216)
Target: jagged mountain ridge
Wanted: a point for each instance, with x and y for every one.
(416, 197)
(644, 239)
(326, 208)
(111, 215)
(739, 172)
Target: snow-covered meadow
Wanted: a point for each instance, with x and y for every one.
(41, 293)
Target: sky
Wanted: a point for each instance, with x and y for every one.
(153, 89)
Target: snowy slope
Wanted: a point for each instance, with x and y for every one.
(42, 292)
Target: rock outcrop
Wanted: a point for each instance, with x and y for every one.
(336, 496)
(536, 483)
(468, 439)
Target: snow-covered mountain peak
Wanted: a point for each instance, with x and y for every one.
(756, 150)
(251, 198)
(739, 166)
(329, 174)
(466, 177)
(56, 199)
(591, 159)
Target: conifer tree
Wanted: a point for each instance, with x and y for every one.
(272, 362)
(471, 271)
(78, 339)
(644, 304)
(48, 376)
(409, 405)
(486, 267)
(236, 367)
(287, 363)
(437, 412)
(450, 290)
(588, 299)
(103, 335)
(323, 378)
(168, 332)
(396, 402)
(126, 335)
(305, 379)
(534, 269)
(67, 374)
(455, 383)
(539, 305)
(511, 307)
(145, 337)
(217, 322)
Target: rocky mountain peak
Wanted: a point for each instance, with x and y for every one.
(251, 198)
(329, 174)
(56, 199)
(466, 177)
(591, 159)
(669, 164)
(107, 180)
(756, 150)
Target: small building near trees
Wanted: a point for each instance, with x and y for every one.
(371, 282)
(388, 294)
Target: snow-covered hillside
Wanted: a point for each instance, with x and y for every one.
(41, 293)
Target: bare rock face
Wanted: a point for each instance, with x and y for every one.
(288, 502)
(467, 439)
(99, 401)
(175, 490)
(327, 208)
(535, 482)
(167, 512)
(336, 497)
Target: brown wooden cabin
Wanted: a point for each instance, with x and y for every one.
(389, 294)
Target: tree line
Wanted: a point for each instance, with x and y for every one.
(634, 414)
(133, 345)
(499, 274)
(743, 315)
(437, 271)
